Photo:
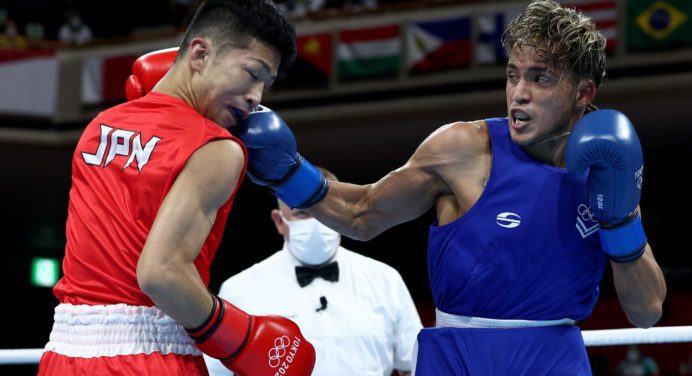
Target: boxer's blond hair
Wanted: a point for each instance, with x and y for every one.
(565, 37)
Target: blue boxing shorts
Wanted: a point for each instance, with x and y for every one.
(532, 351)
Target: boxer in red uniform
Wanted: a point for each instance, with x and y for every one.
(153, 181)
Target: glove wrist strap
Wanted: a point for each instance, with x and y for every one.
(224, 333)
(624, 242)
(303, 188)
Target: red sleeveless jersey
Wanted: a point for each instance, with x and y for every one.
(124, 165)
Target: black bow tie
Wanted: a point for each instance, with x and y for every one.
(306, 274)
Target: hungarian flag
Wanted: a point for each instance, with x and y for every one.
(313, 64)
(439, 44)
(604, 14)
(369, 53)
(659, 24)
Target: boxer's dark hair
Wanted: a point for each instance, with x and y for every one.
(235, 23)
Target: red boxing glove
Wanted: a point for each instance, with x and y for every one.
(148, 70)
(254, 345)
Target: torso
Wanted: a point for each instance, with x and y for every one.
(523, 246)
(124, 165)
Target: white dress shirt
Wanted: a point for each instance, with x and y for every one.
(368, 327)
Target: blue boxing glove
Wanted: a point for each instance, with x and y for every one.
(273, 160)
(605, 141)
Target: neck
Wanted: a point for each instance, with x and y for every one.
(550, 149)
(176, 84)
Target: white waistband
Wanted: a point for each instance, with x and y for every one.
(447, 320)
(108, 330)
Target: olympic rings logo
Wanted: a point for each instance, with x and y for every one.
(278, 351)
(585, 213)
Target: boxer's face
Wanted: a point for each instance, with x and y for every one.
(541, 98)
(232, 82)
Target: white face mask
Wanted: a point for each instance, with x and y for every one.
(311, 242)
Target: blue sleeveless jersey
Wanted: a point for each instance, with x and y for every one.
(527, 249)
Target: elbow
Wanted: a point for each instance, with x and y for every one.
(361, 236)
(154, 281)
(149, 282)
(646, 317)
(645, 322)
(362, 231)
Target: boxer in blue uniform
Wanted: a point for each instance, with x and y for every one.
(531, 208)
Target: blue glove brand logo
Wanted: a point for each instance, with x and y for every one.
(508, 220)
(639, 176)
(586, 221)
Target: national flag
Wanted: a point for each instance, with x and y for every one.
(490, 26)
(604, 14)
(103, 78)
(313, 64)
(658, 23)
(369, 52)
(439, 44)
(29, 82)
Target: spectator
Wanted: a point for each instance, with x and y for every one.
(636, 364)
(11, 39)
(74, 32)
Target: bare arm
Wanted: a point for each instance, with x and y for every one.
(165, 270)
(640, 288)
(364, 211)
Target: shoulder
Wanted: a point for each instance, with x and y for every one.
(460, 133)
(214, 170)
(218, 156)
(221, 149)
(217, 161)
(462, 139)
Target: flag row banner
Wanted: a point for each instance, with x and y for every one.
(401, 46)
(415, 47)
(466, 39)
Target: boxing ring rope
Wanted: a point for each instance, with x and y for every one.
(20, 356)
(604, 337)
(635, 336)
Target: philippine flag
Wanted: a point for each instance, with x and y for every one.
(439, 44)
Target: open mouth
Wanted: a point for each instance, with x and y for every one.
(520, 118)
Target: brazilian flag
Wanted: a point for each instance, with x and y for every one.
(658, 24)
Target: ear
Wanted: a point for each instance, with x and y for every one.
(281, 227)
(199, 53)
(586, 92)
